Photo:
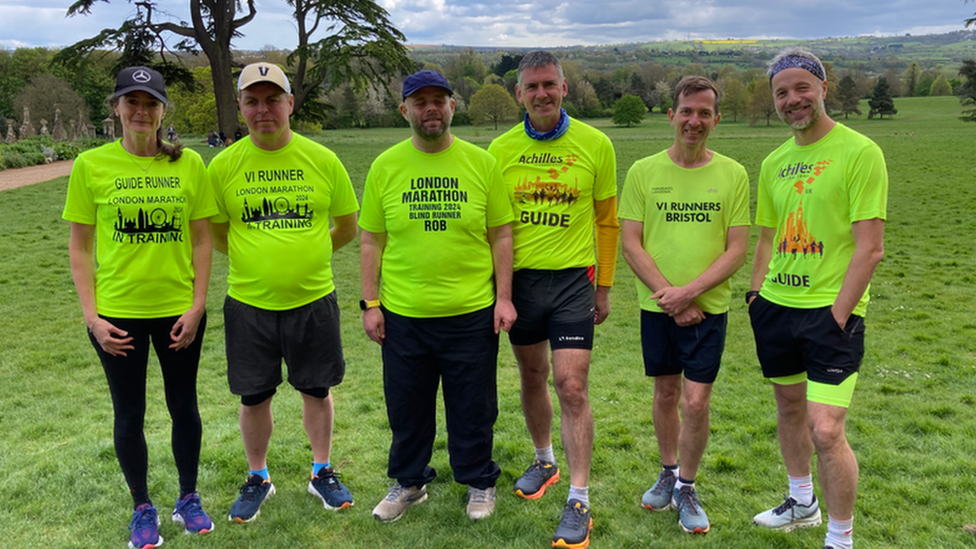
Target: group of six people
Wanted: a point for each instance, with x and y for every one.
(458, 243)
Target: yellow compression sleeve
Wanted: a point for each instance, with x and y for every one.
(607, 235)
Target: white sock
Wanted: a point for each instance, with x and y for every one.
(839, 533)
(545, 454)
(679, 483)
(801, 489)
(582, 494)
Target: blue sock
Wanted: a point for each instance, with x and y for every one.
(263, 473)
(316, 467)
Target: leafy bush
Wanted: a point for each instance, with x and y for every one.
(35, 150)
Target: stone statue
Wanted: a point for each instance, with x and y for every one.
(44, 126)
(26, 129)
(11, 136)
(58, 133)
(108, 128)
(73, 133)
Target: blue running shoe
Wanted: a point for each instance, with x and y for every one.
(145, 528)
(574, 528)
(189, 513)
(660, 496)
(691, 516)
(326, 486)
(253, 494)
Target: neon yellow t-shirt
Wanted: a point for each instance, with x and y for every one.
(811, 195)
(435, 210)
(278, 204)
(142, 217)
(686, 215)
(552, 185)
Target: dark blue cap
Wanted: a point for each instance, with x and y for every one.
(422, 79)
(140, 79)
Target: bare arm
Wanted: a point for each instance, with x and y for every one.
(81, 251)
(500, 239)
(762, 257)
(868, 251)
(218, 235)
(674, 299)
(370, 263)
(343, 230)
(184, 331)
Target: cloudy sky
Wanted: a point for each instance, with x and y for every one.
(549, 23)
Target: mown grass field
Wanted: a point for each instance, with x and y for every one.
(912, 425)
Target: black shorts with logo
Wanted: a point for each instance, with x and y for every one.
(695, 350)
(791, 341)
(554, 305)
(306, 337)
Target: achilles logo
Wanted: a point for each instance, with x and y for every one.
(263, 71)
(141, 76)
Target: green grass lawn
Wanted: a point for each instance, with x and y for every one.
(912, 424)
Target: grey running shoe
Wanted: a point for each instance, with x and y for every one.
(397, 501)
(691, 516)
(790, 515)
(534, 481)
(660, 496)
(574, 528)
(481, 503)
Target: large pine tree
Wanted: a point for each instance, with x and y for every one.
(881, 102)
(847, 94)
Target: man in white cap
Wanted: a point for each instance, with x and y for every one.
(276, 191)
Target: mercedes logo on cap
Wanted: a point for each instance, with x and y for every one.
(141, 76)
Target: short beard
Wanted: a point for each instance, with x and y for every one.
(428, 135)
(817, 110)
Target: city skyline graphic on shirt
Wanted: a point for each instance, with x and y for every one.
(277, 208)
(549, 193)
(153, 221)
(796, 240)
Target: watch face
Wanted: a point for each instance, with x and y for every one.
(362, 304)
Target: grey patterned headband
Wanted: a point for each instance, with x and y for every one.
(798, 62)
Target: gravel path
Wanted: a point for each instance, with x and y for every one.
(11, 179)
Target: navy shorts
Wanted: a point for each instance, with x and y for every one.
(306, 337)
(670, 349)
(553, 305)
(791, 341)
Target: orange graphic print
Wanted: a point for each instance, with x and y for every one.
(818, 169)
(796, 240)
(549, 192)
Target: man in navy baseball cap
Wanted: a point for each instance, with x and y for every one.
(132, 79)
(422, 79)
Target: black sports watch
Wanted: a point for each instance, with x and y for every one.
(751, 293)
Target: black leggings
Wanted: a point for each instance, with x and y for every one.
(127, 382)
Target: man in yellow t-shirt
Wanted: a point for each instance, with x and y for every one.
(821, 205)
(276, 191)
(561, 175)
(436, 275)
(685, 213)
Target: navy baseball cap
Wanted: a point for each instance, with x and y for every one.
(140, 79)
(422, 79)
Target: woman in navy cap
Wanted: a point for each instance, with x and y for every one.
(146, 204)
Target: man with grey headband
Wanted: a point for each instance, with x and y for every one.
(821, 205)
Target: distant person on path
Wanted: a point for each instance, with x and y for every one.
(685, 213)
(140, 259)
(212, 139)
(436, 273)
(171, 133)
(827, 183)
(561, 175)
(276, 192)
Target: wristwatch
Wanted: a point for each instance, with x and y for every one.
(751, 293)
(364, 304)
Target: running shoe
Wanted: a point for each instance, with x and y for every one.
(481, 503)
(397, 501)
(574, 528)
(790, 515)
(660, 496)
(145, 528)
(691, 516)
(326, 487)
(190, 514)
(253, 494)
(534, 481)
